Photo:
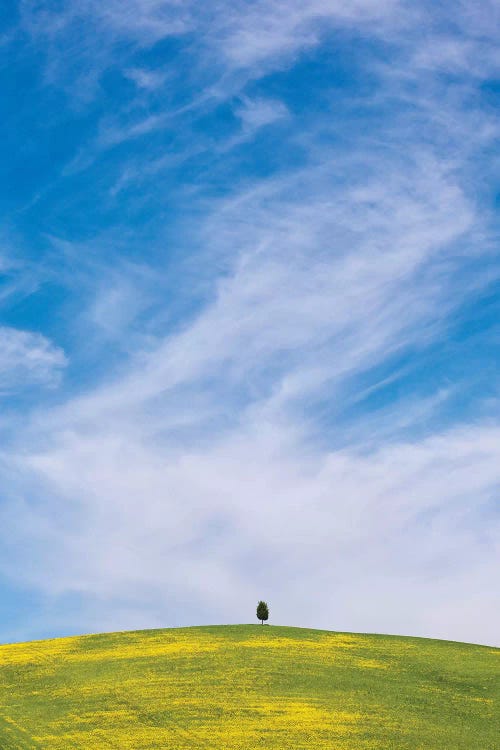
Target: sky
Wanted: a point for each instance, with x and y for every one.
(249, 316)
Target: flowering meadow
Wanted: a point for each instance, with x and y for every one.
(246, 687)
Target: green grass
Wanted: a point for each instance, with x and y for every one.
(248, 686)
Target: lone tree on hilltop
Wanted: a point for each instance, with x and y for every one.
(262, 612)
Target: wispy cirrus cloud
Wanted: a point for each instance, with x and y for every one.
(264, 35)
(27, 358)
(258, 113)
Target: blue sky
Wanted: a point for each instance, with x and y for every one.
(249, 334)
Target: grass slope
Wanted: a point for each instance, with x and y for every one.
(247, 686)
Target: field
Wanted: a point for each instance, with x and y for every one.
(248, 686)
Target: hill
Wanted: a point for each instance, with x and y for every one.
(245, 687)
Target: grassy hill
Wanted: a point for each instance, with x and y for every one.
(246, 687)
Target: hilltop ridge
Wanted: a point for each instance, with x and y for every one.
(243, 686)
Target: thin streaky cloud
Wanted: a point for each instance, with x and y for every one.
(27, 358)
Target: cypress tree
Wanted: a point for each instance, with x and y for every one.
(262, 612)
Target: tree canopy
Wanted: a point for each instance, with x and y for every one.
(262, 612)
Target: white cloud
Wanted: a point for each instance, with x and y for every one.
(146, 79)
(27, 358)
(267, 33)
(234, 36)
(325, 282)
(385, 541)
(257, 113)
